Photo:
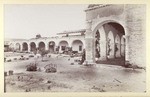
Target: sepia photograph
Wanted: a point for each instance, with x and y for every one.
(75, 48)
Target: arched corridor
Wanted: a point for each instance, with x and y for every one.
(107, 45)
(41, 46)
(123, 46)
(32, 46)
(77, 45)
(51, 46)
(110, 45)
(25, 46)
(117, 47)
(17, 47)
(63, 46)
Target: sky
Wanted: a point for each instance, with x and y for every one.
(26, 21)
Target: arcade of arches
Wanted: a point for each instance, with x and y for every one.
(63, 45)
(109, 43)
(112, 32)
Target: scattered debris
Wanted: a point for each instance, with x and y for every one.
(128, 65)
(12, 83)
(15, 58)
(9, 60)
(117, 80)
(28, 90)
(49, 81)
(39, 69)
(72, 64)
(20, 78)
(41, 79)
(49, 87)
(27, 58)
(98, 89)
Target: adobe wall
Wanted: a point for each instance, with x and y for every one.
(135, 20)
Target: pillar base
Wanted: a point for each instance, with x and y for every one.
(89, 63)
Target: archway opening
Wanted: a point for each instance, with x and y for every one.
(77, 46)
(109, 46)
(18, 47)
(63, 46)
(41, 46)
(97, 45)
(11, 47)
(117, 47)
(123, 46)
(51, 46)
(25, 46)
(33, 46)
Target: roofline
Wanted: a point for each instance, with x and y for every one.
(96, 7)
(71, 32)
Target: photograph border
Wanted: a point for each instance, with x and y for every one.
(74, 94)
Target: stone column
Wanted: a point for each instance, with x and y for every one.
(89, 45)
(21, 47)
(46, 46)
(29, 48)
(127, 58)
(103, 52)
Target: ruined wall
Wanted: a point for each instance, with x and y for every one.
(135, 20)
(105, 11)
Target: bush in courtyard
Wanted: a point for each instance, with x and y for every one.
(32, 67)
(43, 52)
(51, 68)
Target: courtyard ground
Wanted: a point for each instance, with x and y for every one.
(73, 78)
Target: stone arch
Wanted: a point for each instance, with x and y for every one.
(103, 21)
(32, 46)
(123, 45)
(17, 47)
(51, 46)
(24, 46)
(11, 46)
(41, 45)
(63, 44)
(77, 45)
(110, 45)
(117, 46)
(104, 40)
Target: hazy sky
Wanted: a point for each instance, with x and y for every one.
(25, 21)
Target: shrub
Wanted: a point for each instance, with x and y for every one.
(51, 68)
(32, 67)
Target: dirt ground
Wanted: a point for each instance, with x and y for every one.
(73, 78)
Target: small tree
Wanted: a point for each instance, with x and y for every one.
(43, 52)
